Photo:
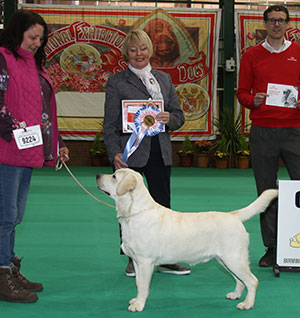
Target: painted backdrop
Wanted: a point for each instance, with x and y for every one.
(84, 49)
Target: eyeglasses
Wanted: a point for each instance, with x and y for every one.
(280, 21)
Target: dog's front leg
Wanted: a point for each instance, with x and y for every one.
(144, 271)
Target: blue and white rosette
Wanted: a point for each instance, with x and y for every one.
(145, 125)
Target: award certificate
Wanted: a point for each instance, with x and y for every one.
(130, 108)
(282, 95)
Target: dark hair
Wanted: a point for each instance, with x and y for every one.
(12, 36)
(277, 8)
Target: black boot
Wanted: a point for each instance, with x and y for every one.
(268, 260)
(11, 291)
(21, 280)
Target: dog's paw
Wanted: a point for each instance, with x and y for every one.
(132, 301)
(135, 306)
(233, 295)
(244, 305)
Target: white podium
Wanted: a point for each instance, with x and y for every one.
(288, 229)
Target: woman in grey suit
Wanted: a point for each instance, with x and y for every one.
(153, 157)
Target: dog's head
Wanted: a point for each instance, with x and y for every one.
(124, 186)
(165, 44)
(118, 183)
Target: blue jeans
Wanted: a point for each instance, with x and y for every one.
(14, 188)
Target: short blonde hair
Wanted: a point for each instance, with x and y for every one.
(136, 37)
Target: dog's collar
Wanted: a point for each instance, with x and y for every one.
(134, 214)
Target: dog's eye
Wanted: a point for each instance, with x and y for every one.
(114, 177)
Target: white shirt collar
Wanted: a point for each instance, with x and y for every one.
(140, 72)
(148, 80)
(286, 44)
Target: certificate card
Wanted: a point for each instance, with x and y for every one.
(282, 95)
(129, 109)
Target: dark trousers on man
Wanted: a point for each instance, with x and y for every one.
(267, 146)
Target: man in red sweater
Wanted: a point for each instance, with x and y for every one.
(268, 69)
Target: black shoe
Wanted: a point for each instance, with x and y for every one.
(268, 259)
(130, 272)
(175, 269)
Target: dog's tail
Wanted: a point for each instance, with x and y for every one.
(258, 206)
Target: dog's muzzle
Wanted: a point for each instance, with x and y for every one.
(98, 177)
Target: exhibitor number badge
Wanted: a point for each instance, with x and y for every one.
(28, 137)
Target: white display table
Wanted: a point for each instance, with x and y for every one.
(288, 235)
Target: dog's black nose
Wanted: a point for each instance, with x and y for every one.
(98, 176)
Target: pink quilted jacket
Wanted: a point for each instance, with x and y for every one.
(24, 101)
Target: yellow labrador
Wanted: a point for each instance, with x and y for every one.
(154, 235)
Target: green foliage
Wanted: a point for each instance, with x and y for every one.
(231, 137)
(98, 149)
(187, 147)
(244, 144)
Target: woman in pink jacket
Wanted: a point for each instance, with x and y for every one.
(29, 137)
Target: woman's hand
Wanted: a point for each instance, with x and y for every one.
(63, 154)
(163, 117)
(118, 163)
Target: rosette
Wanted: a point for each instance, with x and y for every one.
(145, 125)
(146, 116)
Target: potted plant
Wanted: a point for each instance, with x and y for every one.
(222, 159)
(186, 153)
(202, 148)
(98, 152)
(243, 158)
(231, 137)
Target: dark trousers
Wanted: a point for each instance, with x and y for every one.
(267, 145)
(158, 179)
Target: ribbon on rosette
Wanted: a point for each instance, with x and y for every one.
(145, 125)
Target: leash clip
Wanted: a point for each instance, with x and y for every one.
(23, 125)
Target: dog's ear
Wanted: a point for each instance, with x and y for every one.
(127, 184)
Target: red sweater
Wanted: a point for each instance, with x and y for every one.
(260, 67)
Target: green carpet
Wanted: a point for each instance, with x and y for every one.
(70, 243)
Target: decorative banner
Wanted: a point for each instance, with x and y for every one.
(251, 31)
(84, 49)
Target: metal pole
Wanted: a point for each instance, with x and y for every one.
(10, 7)
(229, 71)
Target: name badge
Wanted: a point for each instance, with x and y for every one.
(28, 137)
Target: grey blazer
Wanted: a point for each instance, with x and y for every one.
(126, 85)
